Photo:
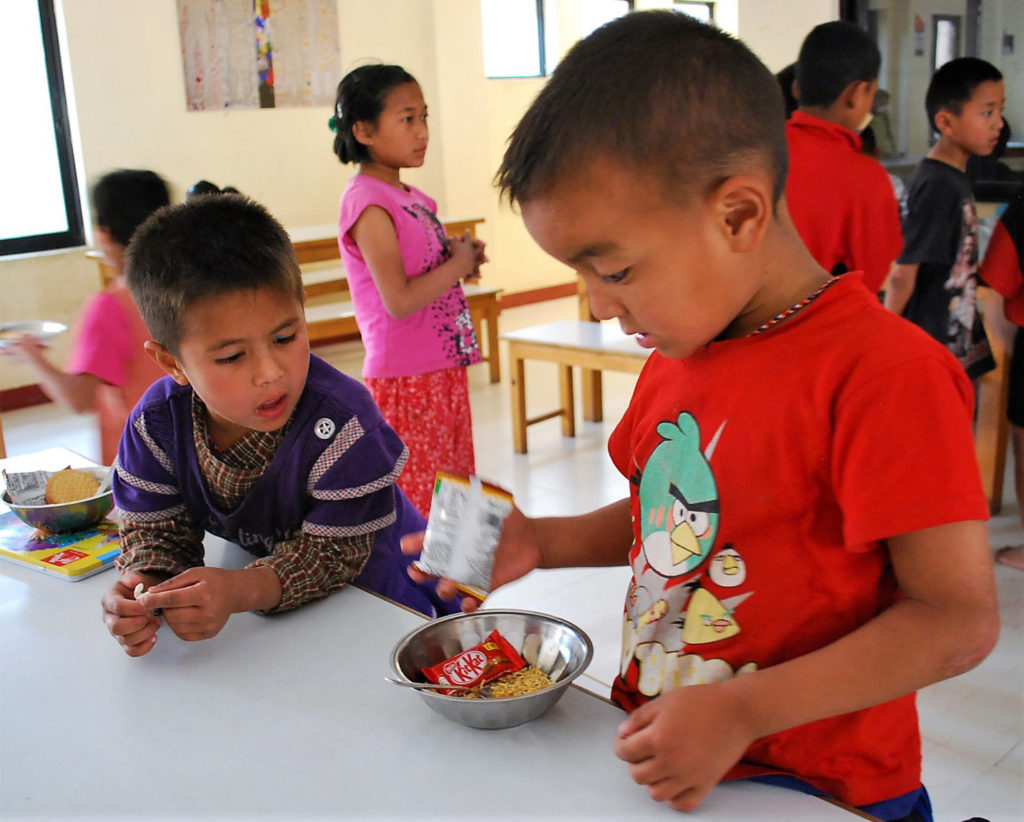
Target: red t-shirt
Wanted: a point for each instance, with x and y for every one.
(764, 474)
(1002, 266)
(842, 202)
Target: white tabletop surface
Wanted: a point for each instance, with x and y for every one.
(287, 717)
(580, 334)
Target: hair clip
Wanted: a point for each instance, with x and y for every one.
(332, 124)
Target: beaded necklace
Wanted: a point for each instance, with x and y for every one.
(793, 309)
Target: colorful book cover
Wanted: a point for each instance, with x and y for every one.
(69, 556)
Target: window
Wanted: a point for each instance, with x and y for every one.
(513, 38)
(598, 12)
(39, 203)
(945, 39)
(702, 11)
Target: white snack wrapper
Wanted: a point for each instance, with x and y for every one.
(27, 487)
(466, 518)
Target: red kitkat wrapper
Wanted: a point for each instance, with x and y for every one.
(492, 658)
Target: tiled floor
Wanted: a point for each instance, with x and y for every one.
(973, 725)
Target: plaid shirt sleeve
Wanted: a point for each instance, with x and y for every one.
(157, 532)
(311, 567)
(167, 546)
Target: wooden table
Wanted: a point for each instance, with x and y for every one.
(287, 717)
(591, 346)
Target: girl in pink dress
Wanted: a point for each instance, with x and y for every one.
(405, 275)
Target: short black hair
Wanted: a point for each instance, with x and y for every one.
(786, 77)
(208, 247)
(201, 188)
(360, 97)
(953, 84)
(657, 90)
(832, 56)
(123, 199)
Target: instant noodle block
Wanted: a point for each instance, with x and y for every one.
(547, 643)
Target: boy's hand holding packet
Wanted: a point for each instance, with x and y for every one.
(463, 531)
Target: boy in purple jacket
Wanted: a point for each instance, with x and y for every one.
(249, 437)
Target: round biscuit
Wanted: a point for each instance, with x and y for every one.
(70, 485)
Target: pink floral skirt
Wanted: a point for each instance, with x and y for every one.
(430, 412)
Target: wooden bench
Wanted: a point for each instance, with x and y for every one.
(592, 346)
(336, 319)
(312, 244)
(320, 242)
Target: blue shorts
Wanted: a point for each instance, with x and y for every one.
(911, 807)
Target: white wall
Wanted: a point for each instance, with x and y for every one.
(126, 79)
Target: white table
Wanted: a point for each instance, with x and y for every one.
(287, 717)
(593, 346)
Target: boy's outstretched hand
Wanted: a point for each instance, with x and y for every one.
(131, 623)
(517, 554)
(681, 744)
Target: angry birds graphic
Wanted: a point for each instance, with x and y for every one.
(728, 568)
(678, 500)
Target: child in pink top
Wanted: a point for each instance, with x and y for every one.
(405, 277)
(108, 370)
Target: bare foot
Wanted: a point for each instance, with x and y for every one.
(1012, 555)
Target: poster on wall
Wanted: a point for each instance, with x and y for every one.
(259, 53)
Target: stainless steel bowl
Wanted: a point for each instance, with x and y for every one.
(67, 517)
(555, 646)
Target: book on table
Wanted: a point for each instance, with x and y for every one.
(69, 556)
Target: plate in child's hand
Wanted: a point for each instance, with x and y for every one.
(40, 329)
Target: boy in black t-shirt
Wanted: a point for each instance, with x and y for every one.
(934, 283)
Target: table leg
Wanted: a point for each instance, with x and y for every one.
(517, 390)
(3, 450)
(593, 404)
(567, 401)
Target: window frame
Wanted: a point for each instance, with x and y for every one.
(74, 235)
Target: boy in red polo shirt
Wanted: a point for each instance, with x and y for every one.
(802, 508)
(841, 200)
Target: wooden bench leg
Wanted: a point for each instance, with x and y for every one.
(593, 403)
(518, 393)
(488, 315)
(493, 357)
(567, 402)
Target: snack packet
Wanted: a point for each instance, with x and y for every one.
(466, 518)
(491, 659)
(27, 487)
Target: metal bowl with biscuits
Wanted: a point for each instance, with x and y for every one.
(77, 499)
